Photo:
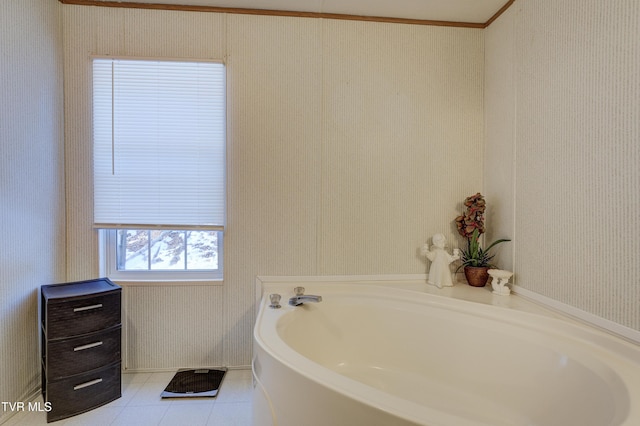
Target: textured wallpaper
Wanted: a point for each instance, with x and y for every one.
(32, 220)
(566, 129)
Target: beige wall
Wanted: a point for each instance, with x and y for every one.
(31, 183)
(349, 144)
(562, 120)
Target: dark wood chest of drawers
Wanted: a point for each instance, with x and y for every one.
(81, 346)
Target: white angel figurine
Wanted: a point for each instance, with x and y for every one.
(439, 272)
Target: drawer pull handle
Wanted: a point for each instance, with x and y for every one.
(87, 384)
(88, 346)
(87, 308)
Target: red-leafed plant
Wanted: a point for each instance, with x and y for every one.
(471, 226)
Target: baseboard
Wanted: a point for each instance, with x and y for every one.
(30, 396)
(612, 327)
(173, 370)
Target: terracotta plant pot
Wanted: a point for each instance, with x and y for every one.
(476, 276)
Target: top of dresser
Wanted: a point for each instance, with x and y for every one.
(79, 289)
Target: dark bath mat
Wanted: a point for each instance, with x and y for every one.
(194, 383)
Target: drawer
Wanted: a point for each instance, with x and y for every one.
(82, 315)
(77, 394)
(67, 357)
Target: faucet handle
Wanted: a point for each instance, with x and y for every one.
(299, 291)
(275, 300)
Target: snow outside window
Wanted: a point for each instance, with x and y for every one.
(162, 255)
(159, 167)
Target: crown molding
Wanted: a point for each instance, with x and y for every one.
(287, 13)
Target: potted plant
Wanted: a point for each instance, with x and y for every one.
(475, 259)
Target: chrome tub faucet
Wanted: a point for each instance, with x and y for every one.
(301, 298)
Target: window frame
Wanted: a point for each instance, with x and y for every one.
(107, 234)
(109, 268)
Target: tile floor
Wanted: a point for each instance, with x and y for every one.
(141, 405)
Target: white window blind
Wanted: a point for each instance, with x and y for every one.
(159, 144)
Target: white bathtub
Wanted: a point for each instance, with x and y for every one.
(378, 355)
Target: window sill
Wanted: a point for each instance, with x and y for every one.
(167, 283)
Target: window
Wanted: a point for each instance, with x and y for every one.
(162, 254)
(159, 167)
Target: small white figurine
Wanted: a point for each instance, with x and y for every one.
(499, 281)
(439, 272)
